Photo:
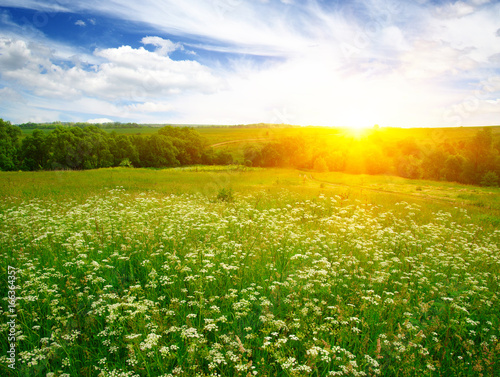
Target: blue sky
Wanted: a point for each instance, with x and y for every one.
(313, 62)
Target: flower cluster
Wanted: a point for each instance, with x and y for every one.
(179, 285)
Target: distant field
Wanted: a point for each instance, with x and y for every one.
(217, 135)
(222, 134)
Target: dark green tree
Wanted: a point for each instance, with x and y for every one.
(453, 168)
(9, 146)
(188, 143)
(490, 179)
(94, 148)
(63, 148)
(121, 147)
(433, 164)
(156, 151)
(481, 156)
(252, 156)
(35, 151)
(223, 158)
(272, 155)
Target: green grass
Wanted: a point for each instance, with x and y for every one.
(208, 180)
(453, 193)
(206, 271)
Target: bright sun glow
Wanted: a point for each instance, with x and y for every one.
(358, 132)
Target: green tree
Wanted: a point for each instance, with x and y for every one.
(121, 147)
(271, 155)
(320, 165)
(188, 143)
(295, 152)
(336, 160)
(481, 156)
(9, 145)
(63, 148)
(409, 147)
(490, 179)
(223, 158)
(253, 155)
(156, 151)
(453, 168)
(95, 148)
(35, 151)
(376, 162)
(79, 148)
(433, 164)
(409, 167)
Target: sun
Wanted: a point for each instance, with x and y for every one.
(358, 123)
(358, 132)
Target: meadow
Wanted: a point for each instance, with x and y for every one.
(236, 271)
(217, 134)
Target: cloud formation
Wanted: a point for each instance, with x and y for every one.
(240, 61)
(125, 75)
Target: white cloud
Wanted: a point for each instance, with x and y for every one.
(127, 83)
(239, 23)
(427, 60)
(14, 54)
(491, 84)
(454, 10)
(164, 46)
(126, 73)
(40, 5)
(154, 107)
(100, 120)
(80, 23)
(494, 102)
(10, 95)
(30, 35)
(459, 9)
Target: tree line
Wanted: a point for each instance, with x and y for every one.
(471, 161)
(54, 125)
(90, 147)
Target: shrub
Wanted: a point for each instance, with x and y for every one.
(490, 179)
(225, 195)
(126, 163)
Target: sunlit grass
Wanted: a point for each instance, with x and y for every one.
(483, 204)
(157, 277)
(151, 284)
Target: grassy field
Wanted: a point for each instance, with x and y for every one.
(482, 202)
(231, 271)
(215, 135)
(220, 134)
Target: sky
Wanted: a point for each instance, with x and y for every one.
(417, 63)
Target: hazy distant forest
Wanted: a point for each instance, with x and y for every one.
(82, 146)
